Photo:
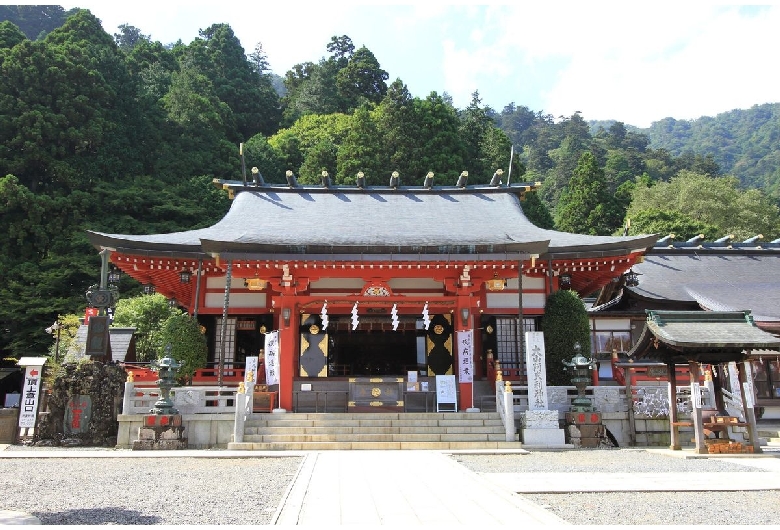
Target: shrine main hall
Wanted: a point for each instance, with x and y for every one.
(371, 281)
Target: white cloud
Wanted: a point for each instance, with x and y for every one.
(637, 63)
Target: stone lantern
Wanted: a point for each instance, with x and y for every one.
(580, 368)
(583, 423)
(168, 371)
(162, 427)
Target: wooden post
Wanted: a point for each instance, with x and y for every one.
(698, 428)
(630, 398)
(748, 401)
(672, 376)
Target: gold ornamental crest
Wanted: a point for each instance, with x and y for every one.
(376, 392)
(314, 329)
(438, 329)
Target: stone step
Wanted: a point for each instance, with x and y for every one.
(378, 415)
(454, 429)
(436, 430)
(336, 437)
(377, 424)
(347, 446)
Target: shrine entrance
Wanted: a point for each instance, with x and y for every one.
(375, 349)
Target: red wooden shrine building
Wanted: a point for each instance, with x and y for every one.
(379, 257)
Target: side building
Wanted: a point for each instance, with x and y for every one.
(696, 275)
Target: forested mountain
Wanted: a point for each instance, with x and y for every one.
(35, 21)
(744, 143)
(118, 133)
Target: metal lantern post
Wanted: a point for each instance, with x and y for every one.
(580, 368)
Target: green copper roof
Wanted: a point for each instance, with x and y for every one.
(701, 336)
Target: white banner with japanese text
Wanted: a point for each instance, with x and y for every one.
(465, 356)
(250, 370)
(28, 409)
(272, 358)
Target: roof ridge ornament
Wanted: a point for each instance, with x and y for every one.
(257, 177)
(496, 180)
(395, 179)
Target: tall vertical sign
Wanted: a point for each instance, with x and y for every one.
(750, 396)
(272, 358)
(28, 408)
(536, 370)
(250, 369)
(466, 356)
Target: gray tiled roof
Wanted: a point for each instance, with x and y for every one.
(354, 221)
(710, 329)
(703, 336)
(717, 281)
(120, 340)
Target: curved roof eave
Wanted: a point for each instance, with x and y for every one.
(365, 221)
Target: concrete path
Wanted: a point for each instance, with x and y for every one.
(339, 488)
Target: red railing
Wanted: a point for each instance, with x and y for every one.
(145, 376)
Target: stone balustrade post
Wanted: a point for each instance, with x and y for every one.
(127, 399)
(242, 400)
(509, 412)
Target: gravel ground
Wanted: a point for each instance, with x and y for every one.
(198, 491)
(637, 508)
(153, 491)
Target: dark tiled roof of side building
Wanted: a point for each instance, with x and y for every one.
(717, 277)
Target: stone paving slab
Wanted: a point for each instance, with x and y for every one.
(8, 517)
(404, 487)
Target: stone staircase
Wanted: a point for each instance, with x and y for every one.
(343, 431)
(769, 435)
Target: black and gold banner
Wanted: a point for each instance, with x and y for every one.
(314, 347)
(438, 345)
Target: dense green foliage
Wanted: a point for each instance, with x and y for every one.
(691, 204)
(119, 134)
(565, 324)
(148, 315)
(188, 344)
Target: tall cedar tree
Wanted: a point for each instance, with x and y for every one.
(585, 206)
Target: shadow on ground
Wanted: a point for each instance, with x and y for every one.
(94, 516)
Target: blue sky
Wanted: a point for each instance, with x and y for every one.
(630, 61)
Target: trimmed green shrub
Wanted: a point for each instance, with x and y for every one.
(565, 323)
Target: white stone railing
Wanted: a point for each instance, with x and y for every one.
(186, 399)
(243, 410)
(505, 407)
(512, 400)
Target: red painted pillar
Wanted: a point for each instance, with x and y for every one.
(288, 344)
(463, 322)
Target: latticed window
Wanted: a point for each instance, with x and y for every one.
(509, 354)
(230, 341)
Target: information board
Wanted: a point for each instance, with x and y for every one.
(446, 394)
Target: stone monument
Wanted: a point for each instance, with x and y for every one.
(540, 426)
